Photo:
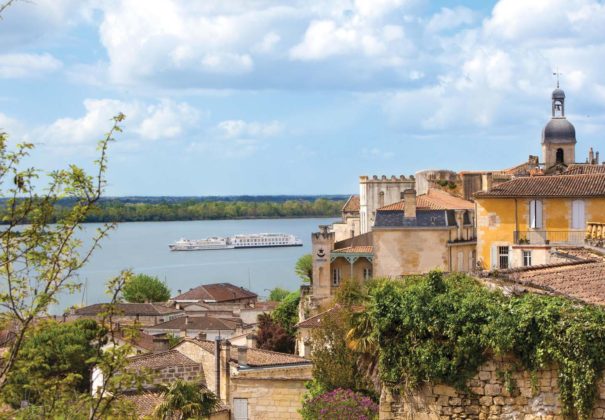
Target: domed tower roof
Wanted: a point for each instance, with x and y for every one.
(558, 130)
(558, 94)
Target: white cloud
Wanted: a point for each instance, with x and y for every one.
(165, 120)
(14, 66)
(241, 129)
(268, 43)
(448, 19)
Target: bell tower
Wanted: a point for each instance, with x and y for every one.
(559, 135)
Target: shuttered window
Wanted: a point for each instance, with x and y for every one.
(535, 214)
(240, 408)
(578, 214)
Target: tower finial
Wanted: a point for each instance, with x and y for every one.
(557, 73)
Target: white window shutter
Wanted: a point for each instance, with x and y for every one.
(539, 214)
(494, 257)
(578, 218)
(532, 214)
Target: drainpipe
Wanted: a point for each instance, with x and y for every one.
(516, 219)
(217, 366)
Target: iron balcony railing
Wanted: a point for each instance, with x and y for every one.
(550, 237)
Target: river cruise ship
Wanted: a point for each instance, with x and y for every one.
(257, 240)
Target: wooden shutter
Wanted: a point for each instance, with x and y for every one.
(535, 214)
(494, 257)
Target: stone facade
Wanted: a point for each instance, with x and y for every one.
(172, 373)
(492, 396)
(378, 192)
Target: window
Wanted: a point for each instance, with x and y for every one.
(526, 258)
(367, 273)
(578, 214)
(240, 408)
(460, 261)
(535, 214)
(335, 276)
(503, 257)
(560, 156)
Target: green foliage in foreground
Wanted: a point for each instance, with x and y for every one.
(145, 289)
(116, 211)
(55, 359)
(441, 329)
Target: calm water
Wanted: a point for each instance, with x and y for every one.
(143, 247)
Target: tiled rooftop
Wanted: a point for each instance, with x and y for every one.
(256, 357)
(589, 185)
(433, 200)
(581, 169)
(201, 323)
(315, 321)
(581, 277)
(129, 309)
(218, 292)
(352, 205)
(156, 361)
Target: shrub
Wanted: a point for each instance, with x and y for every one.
(340, 404)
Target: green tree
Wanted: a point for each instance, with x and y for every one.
(186, 400)
(278, 294)
(304, 268)
(142, 288)
(55, 357)
(286, 313)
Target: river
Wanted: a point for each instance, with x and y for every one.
(143, 248)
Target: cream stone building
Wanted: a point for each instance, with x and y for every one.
(413, 235)
(256, 384)
(378, 192)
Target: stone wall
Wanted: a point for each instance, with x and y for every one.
(274, 393)
(172, 373)
(493, 395)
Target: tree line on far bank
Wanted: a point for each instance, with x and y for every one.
(118, 211)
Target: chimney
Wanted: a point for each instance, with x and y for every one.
(223, 370)
(409, 200)
(591, 156)
(186, 320)
(242, 356)
(202, 336)
(251, 341)
(179, 292)
(160, 344)
(486, 181)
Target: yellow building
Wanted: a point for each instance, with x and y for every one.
(521, 221)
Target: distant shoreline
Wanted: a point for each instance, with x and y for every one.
(218, 220)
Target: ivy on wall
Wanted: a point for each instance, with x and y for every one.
(441, 329)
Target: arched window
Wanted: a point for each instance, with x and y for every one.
(560, 155)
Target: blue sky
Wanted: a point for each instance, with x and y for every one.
(297, 97)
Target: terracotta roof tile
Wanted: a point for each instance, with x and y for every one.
(433, 200)
(256, 357)
(218, 292)
(581, 169)
(356, 250)
(156, 361)
(589, 185)
(262, 306)
(315, 321)
(140, 339)
(201, 323)
(129, 309)
(352, 205)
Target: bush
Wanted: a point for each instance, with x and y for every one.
(340, 404)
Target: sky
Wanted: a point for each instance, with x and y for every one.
(229, 97)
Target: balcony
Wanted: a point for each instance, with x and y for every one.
(550, 237)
